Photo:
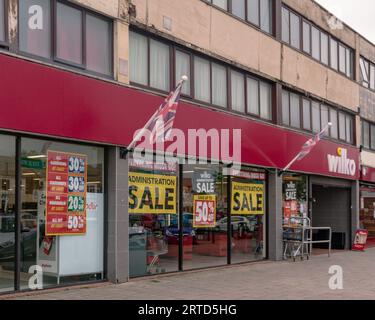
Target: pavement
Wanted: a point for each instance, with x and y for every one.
(306, 280)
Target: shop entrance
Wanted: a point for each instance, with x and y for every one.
(331, 207)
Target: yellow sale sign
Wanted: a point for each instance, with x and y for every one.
(247, 198)
(152, 194)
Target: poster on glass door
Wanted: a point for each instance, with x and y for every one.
(204, 211)
(66, 194)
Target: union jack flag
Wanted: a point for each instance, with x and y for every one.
(308, 146)
(161, 123)
(311, 143)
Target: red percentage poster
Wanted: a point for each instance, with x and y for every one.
(204, 211)
(360, 240)
(66, 194)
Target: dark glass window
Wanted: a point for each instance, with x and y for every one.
(35, 28)
(306, 37)
(69, 34)
(253, 11)
(202, 79)
(238, 91)
(285, 108)
(372, 139)
(342, 59)
(324, 48)
(306, 114)
(212, 82)
(81, 38)
(138, 52)
(294, 30)
(2, 21)
(219, 85)
(159, 65)
(98, 44)
(342, 124)
(333, 120)
(238, 8)
(285, 25)
(316, 42)
(182, 68)
(257, 12)
(221, 3)
(8, 212)
(295, 117)
(315, 36)
(253, 96)
(334, 54)
(265, 100)
(324, 117)
(367, 73)
(315, 116)
(366, 134)
(265, 15)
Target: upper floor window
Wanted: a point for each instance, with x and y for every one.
(310, 115)
(257, 12)
(210, 81)
(3, 22)
(81, 38)
(367, 71)
(368, 135)
(302, 35)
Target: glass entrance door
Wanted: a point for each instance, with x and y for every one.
(7, 213)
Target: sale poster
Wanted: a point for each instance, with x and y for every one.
(360, 240)
(152, 193)
(66, 193)
(247, 198)
(204, 211)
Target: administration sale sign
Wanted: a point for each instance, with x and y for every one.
(66, 193)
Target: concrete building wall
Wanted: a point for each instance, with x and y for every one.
(215, 32)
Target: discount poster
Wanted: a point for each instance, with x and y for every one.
(66, 193)
(204, 211)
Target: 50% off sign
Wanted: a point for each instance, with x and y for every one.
(204, 211)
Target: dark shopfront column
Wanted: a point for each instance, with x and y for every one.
(118, 219)
(275, 239)
(355, 207)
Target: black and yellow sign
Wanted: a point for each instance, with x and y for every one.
(247, 198)
(152, 194)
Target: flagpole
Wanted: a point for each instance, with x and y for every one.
(299, 153)
(133, 143)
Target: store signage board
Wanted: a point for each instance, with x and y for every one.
(152, 193)
(33, 163)
(204, 181)
(360, 240)
(66, 193)
(247, 198)
(204, 211)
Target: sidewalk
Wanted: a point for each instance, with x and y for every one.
(265, 280)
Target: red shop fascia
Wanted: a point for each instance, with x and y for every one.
(47, 101)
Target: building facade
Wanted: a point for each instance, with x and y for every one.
(80, 77)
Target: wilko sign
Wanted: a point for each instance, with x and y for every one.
(341, 164)
(66, 193)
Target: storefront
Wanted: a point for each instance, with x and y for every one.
(155, 218)
(325, 201)
(184, 217)
(57, 189)
(367, 203)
